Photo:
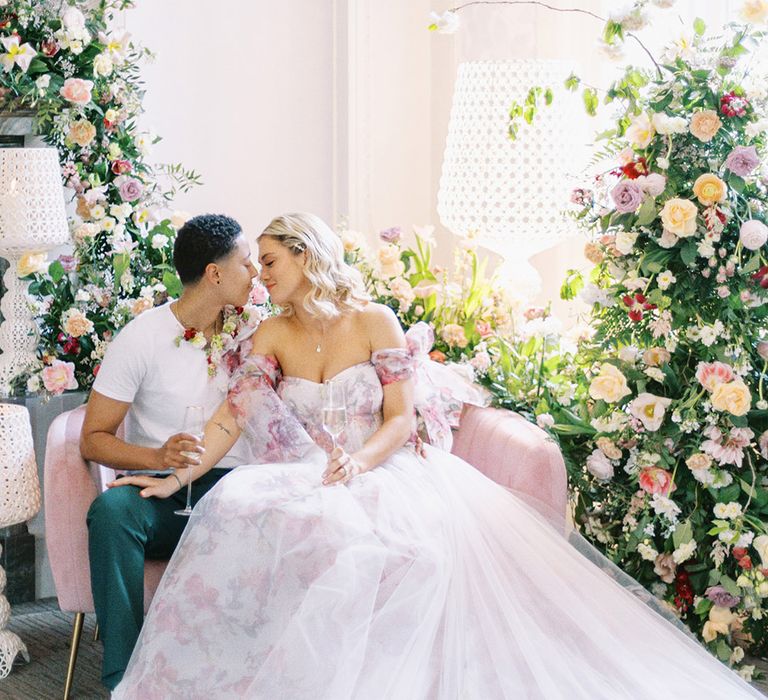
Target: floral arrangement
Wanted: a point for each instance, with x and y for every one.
(665, 433)
(83, 84)
(513, 351)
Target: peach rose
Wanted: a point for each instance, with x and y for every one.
(81, 132)
(709, 189)
(59, 376)
(733, 397)
(610, 385)
(710, 374)
(665, 568)
(653, 357)
(705, 124)
(754, 11)
(608, 447)
(593, 253)
(76, 323)
(453, 334)
(679, 217)
(31, 264)
(141, 305)
(699, 460)
(77, 90)
(389, 260)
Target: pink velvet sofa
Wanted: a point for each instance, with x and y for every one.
(501, 444)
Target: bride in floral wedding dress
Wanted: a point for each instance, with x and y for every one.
(387, 569)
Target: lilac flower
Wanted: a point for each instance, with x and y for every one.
(742, 160)
(627, 196)
(719, 596)
(391, 235)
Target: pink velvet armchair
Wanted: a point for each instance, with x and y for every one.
(502, 445)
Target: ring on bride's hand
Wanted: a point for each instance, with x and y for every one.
(344, 469)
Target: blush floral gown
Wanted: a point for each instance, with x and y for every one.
(421, 579)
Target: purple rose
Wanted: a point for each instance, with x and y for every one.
(391, 235)
(627, 196)
(742, 160)
(719, 596)
(129, 187)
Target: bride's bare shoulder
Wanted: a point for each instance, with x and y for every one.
(268, 335)
(381, 326)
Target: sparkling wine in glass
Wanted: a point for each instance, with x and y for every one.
(194, 424)
(334, 409)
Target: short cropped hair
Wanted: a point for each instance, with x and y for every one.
(201, 241)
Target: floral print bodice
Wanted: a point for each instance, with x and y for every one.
(282, 415)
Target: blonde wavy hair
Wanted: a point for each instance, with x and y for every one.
(336, 287)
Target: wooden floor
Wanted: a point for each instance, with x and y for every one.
(46, 631)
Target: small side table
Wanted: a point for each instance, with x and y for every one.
(19, 501)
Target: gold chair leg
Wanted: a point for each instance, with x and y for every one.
(96, 633)
(77, 630)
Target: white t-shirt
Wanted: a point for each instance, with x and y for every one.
(144, 367)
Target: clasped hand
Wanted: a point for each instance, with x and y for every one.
(181, 451)
(341, 467)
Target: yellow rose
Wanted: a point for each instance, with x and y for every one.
(31, 264)
(709, 189)
(679, 217)
(754, 11)
(82, 132)
(705, 124)
(610, 385)
(760, 543)
(733, 397)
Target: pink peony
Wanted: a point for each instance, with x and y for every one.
(259, 294)
(129, 187)
(742, 160)
(627, 196)
(77, 91)
(710, 374)
(656, 480)
(59, 376)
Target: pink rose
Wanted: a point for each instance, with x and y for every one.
(710, 374)
(259, 294)
(762, 443)
(656, 480)
(654, 183)
(129, 187)
(742, 160)
(753, 234)
(59, 376)
(627, 196)
(77, 91)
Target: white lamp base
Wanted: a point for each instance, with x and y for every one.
(10, 643)
(18, 333)
(520, 278)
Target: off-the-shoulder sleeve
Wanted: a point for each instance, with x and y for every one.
(274, 433)
(392, 365)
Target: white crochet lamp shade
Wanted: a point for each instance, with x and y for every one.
(19, 502)
(512, 194)
(32, 218)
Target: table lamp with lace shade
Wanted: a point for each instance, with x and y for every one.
(19, 502)
(32, 219)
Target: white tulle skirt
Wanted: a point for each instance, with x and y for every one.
(420, 579)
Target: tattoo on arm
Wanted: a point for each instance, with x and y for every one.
(220, 426)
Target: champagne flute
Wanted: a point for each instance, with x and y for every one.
(334, 409)
(194, 424)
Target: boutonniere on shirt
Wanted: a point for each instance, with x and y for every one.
(224, 347)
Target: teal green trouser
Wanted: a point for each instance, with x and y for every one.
(123, 530)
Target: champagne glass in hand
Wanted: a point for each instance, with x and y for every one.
(334, 409)
(194, 424)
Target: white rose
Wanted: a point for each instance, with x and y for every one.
(684, 552)
(43, 81)
(159, 241)
(647, 552)
(753, 234)
(625, 241)
(73, 20)
(666, 125)
(599, 465)
(102, 65)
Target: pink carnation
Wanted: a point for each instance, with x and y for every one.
(59, 377)
(710, 374)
